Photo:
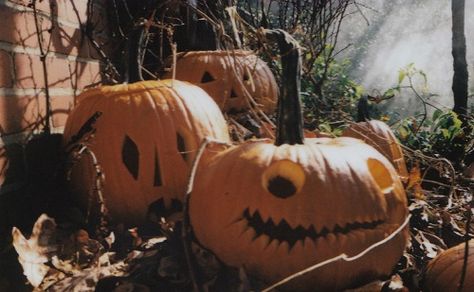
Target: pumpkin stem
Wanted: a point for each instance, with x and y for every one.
(363, 109)
(289, 115)
(136, 45)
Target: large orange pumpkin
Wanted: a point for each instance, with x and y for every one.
(379, 135)
(226, 75)
(276, 209)
(144, 141)
(444, 272)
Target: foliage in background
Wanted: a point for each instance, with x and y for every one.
(337, 103)
(435, 131)
(315, 24)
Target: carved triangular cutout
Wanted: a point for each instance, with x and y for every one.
(233, 94)
(181, 146)
(207, 77)
(130, 156)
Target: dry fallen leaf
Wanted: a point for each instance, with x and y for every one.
(85, 280)
(34, 252)
(414, 182)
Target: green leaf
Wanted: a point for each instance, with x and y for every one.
(437, 113)
(325, 128)
(389, 93)
(446, 133)
(401, 76)
(404, 133)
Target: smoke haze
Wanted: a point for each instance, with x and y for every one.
(401, 32)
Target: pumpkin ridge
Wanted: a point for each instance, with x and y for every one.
(111, 91)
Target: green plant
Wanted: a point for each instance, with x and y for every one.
(336, 100)
(437, 134)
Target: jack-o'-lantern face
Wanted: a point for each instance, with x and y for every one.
(283, 209)
(277, 209)
(145, 141)
(225, 76)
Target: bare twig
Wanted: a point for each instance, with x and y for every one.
(186, 230)
(43, 54)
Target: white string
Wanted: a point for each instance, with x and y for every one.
(343, 257)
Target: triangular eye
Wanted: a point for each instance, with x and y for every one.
(207, 77)
(233, 94)
(157, 177)
(181, 146)
(246, 77)
(130, 156)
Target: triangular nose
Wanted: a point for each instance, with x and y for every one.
(233, 94)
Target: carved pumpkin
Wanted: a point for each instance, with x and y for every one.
(225, 75)
(379, 135)
(144, 141)
(444, 272)
(290, 205)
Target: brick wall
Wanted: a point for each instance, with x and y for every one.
(72, 64)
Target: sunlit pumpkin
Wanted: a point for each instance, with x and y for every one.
(276, 209)
(444, 272)
(379, 135)
(225, 75)
(145, 141)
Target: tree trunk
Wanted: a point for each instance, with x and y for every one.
(461, 75)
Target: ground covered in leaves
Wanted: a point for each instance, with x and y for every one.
(57, 259)
(59, 254)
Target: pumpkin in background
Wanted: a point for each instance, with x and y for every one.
(225, 75)
(443, 273)
(144, 140)
(276, 209)
(379, 135)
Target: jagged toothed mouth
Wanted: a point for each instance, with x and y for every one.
(283, 232)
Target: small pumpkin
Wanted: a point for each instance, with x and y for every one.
(144, 141)
(379, 135)
(276, 209)
(443, 273)
(226, 75)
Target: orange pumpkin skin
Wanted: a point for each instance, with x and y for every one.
(341, 185)
(225, 75)
(379, 135)
(142, 141)
(443, 273)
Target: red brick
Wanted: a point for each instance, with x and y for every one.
(60, 107)
(17, 27)
(24, 113)
(67, 41)
(21, 113)
(40, 5)
(29, 72)
(73, 11)
(6, 69)
(86, 73)
(59, 74)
